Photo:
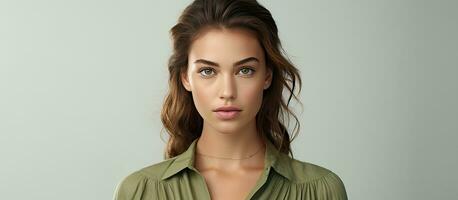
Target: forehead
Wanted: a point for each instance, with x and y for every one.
(226, 45)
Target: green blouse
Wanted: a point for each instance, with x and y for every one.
(283, 178)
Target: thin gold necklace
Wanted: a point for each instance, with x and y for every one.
(231, 158)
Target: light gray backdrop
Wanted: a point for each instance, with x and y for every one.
(82, 84)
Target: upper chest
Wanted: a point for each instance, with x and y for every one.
(232, 185)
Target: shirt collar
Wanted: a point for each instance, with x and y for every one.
(273, 158)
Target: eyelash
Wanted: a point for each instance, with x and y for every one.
(209, 68)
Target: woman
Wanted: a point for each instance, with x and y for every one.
(225, 114)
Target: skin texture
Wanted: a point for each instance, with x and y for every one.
(228, 85)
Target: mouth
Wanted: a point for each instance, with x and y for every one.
(227, 114)
(227, 109)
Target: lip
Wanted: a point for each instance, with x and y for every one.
(227, 112)
(227, 108)
(227, 115)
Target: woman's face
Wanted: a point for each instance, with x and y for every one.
(226, 67)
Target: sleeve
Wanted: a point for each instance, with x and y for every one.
(331, 187)
(131, 187)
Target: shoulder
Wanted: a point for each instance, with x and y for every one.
(306, 171)
(325, 182)
(136, 182)
(152, 172)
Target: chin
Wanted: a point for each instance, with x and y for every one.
(227, 127)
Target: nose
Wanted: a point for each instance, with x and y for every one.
(228, 88)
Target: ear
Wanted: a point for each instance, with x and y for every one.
(268, 79)
(185, 81)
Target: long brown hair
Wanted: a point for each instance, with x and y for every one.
(179, 116)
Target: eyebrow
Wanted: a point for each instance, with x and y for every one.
(207, 62)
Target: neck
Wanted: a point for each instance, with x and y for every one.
(240, 143)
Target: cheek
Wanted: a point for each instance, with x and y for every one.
(202, 98)
(252, 96)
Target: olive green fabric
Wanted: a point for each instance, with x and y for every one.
(282, 178)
